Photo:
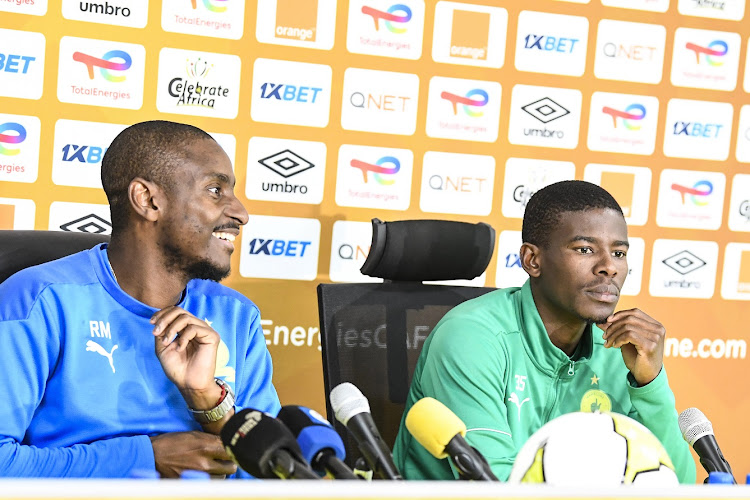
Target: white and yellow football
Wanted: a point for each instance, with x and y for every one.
(593, 449)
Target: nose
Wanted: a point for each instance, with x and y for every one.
(606, 265)
(237, 211)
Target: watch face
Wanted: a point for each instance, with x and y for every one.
(217, 413)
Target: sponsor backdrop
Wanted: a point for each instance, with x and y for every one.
(334, 112)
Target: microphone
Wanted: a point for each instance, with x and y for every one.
(353, 410)
(320, 444)
(262, 446)
(698, 431)
(442, 433)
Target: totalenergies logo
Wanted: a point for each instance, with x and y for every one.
(378, 169)
(105, 64)
(469, 101)
(212, 5)
(398, 13)
(715, 49)
(17, 138)
(698, 193)
(633, 113)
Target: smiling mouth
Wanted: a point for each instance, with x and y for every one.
(229, 237)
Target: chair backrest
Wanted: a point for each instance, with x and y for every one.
(372, 333)
(22, 249)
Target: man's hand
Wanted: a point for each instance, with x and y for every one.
(175, 452)
(186, 347)
(641, 341)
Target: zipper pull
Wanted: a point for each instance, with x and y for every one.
(571, 372)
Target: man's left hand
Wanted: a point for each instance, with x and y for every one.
(641, 341)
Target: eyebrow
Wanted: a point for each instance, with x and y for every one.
(589, 239)
(222, 178)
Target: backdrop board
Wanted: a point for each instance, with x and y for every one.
(334, 112)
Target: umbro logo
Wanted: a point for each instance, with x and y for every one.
(545, 110)
(90, 223)
(684, 262)
(286, 163)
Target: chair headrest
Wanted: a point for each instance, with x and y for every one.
(428, 250)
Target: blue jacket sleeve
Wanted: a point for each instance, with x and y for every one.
(254, 385)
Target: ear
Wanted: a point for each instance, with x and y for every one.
(146, 198)
(531, 260)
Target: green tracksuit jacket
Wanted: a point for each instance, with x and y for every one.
(492, 363)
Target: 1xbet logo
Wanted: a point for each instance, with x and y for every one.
(697, 129)
(377, 169)
(17, 138)
(14, 63)
(286, 92)
(698, 193)
(291, 248)
(212, 5)
(633, 113)
(467, 102)
(105, 64)
(549, 43)
(396, 15)
(715, 50)
(83, 154)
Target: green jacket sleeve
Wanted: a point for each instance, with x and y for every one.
(654, 407)
(465, 370)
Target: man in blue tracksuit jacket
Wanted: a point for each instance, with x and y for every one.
(127, 357)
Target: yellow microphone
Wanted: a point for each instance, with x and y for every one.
(442, 433)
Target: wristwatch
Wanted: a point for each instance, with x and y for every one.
(219, 411)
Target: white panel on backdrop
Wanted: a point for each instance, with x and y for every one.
(545, 116)
(371, 177)
(101, 73)
(198, 83)
(17, 214)
(698, 129)
(652, 5)
(21, 64)
(80, 218)
(380, 101)
(682, 268)
(33, 7)
(742, 153)
(292, 93)
(280, 248)
(630, 52)
(455, 183)
(739, 203)
(630, 186)
(636, 254)
(215, 18)
(19, 148)
(623, 123)
(229, 144)
(463, 109)
(477, 34)
(78, 151)
(690, 199)
(283, 170)
(705, 59)
(551, 43)
(380, 29)
(310, 24)
(132, 13)
(716, 9)
(525, 176)
(735, 282)
(509, 271)
(350, 246)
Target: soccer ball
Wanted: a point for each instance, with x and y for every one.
(593, 449)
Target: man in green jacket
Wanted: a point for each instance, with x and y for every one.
(510, 361)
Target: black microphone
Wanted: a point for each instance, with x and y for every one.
(698, 431)
(320, 443)
(262, 446)
(353, 410)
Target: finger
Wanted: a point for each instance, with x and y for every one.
(632, 313)
(194, 333)
(167, 312)
(634, 322)
(178, 325)
(221, 467)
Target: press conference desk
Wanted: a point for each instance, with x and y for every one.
(260, 490)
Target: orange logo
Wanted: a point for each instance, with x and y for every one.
(470, 34)
(7, 216)
(296, 19)
(743, 285)
(621, 185)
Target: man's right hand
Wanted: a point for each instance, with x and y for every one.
(175, 452)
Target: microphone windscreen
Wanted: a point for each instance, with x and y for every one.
(313, 432)
(433, 424)
(347, 401)
(251, 437)
(694, 425)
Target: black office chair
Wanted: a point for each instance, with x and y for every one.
(22, 249)
(372, 333)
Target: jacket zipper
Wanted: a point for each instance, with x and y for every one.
(571, 370)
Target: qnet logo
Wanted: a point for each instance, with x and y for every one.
(392, 31)
(690, 199)
(475, 98)
(106, 65)
(448, 190)
(11, 133)
(19, 148)
(705, 59)
(630, 117)
(698, 193)
(463, 109)
(371, 177)
(381, 171)
(631, 52)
